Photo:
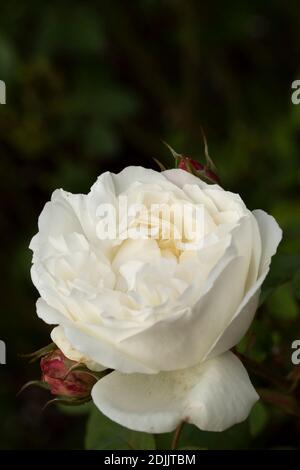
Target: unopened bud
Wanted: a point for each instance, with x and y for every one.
(195, 167)
(185, 162)
(63, 379)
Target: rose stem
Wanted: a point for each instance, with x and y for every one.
(177, 435)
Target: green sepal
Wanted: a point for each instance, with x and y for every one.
(209, 162)
(67, 402)
(38, 383)
(177, 156)
(36, 355)
(161, 165)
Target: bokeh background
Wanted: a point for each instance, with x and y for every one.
(95, 86)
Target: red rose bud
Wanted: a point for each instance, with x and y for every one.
(192, 166)
(212, 176)
(186, 161)
(61, 375)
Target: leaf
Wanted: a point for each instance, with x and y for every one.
(283, 269)
(258, 419)
(282, 303)
(164, 441)
(100, 139)
(296, 284)
(192, 448)
(237, 437)
(9, 61)
(104, 434)
(83, 409)
(83, 34)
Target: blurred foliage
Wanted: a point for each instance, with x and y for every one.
(102, 433)
(96, 86)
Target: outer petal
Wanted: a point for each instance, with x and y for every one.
(133, 174)
(105, 352)
(184, 340)
(180, 341)
(270, 234)
(239, 324)
(181, 177)
(120, 182)
(59, 338)
(99, 350)
(213, 396)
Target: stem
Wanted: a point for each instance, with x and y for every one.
(177, 435)
(262, 371)
(288, 403)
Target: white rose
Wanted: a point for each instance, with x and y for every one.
(163, 318)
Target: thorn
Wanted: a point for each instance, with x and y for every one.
(209, 161)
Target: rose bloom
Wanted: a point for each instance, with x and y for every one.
(162, 317)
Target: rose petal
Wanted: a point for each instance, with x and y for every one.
(103, 351)
(182, 340)
(239, 324)
(270, 234)
(129, 175)
(59, 338)
(100, 350)
(181, 177)
(213, 396)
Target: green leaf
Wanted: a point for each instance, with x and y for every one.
(296, 284)
(258, 419)
(164, 441)
(282, 303)
(283, 269)
(76, 410)
(82, 34)
(102, 433)
(101, 139)
(237, 437)
(9, 61)
(191, 448)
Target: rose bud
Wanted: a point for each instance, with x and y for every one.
(61, 375)
(185, 162)
(188, 164)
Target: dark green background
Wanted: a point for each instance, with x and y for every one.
(95, 86)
